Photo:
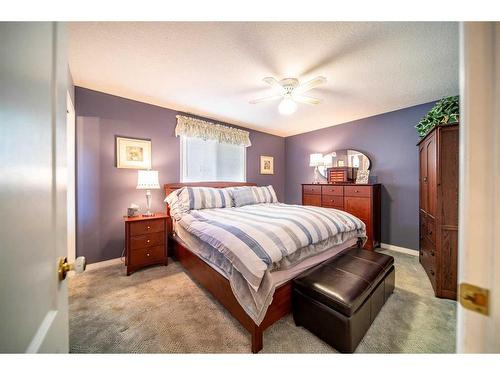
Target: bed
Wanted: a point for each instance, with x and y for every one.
(258, 303)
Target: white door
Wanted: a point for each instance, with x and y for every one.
(479, 215)
(33, 75)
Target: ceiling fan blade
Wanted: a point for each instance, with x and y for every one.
(305, 99)
(274, 83)
(266, 99)
(309, 85)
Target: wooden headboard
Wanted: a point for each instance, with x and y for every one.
(177, 185)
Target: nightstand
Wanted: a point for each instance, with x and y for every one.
(145, 241)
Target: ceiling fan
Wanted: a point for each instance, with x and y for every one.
(290, 91)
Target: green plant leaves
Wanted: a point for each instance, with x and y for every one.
(445, 111)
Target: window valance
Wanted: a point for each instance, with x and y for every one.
(193, 127)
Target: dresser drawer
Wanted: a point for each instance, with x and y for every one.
(332, 190)
(357, 191)
(146, 226)
(311, 200)
(332, 201)
(147, 255)
(311, 189)
(358, 206)
(147, 240)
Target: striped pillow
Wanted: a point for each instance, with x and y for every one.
(177, 208)
(197, 198)
(243, 196)
(264, 194)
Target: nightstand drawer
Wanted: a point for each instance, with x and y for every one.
(148, 255)
(147, 240)
(146, 226)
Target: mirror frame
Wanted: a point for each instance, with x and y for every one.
(322, 169)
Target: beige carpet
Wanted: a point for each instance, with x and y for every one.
(162, 310)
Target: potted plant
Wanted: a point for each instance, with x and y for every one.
(445, 111)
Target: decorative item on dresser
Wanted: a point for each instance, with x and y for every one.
(361, 200)
(438, 156)
(341, 174)
(145, 241)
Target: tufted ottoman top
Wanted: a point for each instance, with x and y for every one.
(345, 282)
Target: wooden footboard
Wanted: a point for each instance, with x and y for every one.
(219, 287)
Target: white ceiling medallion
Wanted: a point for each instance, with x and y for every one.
(291, 92)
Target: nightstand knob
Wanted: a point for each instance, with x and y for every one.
(147, 254)
(149, 227)
(147, 241)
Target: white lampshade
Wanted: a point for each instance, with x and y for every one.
(328, 160)
(315, 160)
(147, 180)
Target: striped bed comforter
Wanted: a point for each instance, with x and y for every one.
(255, 238)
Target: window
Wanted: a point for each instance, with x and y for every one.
(212, 161)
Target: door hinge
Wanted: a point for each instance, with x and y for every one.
(474, 298)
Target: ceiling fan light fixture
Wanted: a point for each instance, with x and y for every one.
(287, 106)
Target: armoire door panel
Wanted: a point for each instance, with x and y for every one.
(431, 185)
(448, 257)
(423, 177)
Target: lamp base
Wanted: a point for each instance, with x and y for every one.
(148, 212)
(316, 176)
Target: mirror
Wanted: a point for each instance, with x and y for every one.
(344, 158)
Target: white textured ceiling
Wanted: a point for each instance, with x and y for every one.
(213, 69)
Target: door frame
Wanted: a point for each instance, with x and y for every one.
(479, 209)
(71, 176)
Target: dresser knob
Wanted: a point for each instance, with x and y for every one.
(147, 241)
(356, 191)
(432, 272)
(147, 254)
(149, 227)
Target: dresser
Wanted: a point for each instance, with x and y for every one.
(363, 201)
(145, 241)
(438, 208)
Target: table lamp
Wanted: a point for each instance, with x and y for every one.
(316, 160)
(147, 180)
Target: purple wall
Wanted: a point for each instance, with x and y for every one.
(390, 142)
(104, 191)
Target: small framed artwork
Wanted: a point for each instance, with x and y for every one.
(266, 165)
(133, 153)
(362, 177)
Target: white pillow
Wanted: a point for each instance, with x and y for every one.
(264, 194)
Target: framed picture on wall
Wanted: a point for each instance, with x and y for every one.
(266, 165)
(133, 153)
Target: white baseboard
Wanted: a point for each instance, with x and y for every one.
(399, 249)
(98, 265)
(104, 263)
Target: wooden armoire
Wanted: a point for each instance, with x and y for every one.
(438, 157)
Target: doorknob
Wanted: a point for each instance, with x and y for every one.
(63, 266)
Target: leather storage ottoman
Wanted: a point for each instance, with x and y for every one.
(339, 299)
